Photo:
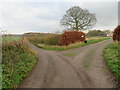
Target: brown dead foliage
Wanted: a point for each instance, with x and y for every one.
(69, 37)
(116, 34)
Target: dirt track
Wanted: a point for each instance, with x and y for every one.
(82, 67)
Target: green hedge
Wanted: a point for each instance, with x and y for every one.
(48, 39)
(74, 45)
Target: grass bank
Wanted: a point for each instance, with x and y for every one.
(17, 61)
(112, 59)
(75, 45)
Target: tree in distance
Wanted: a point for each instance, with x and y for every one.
(99, 33)
(77, 19)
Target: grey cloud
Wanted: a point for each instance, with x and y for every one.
(106, 13)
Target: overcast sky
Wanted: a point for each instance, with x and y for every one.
(21, 17)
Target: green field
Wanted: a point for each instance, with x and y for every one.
(10, 39)
(112, 59)
(17, 61)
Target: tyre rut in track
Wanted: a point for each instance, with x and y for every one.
(54, 70)
(84, 78)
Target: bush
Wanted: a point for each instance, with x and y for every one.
(36, 39)
(52, 40)
(116, 34)
(69, 37)
(48, 39)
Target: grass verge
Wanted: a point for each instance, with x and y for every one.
(112, 59)
(75, 45)
(17, 61)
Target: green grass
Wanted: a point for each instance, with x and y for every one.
(75, 45)
(112, 59)
(17, 61)
(10, 39)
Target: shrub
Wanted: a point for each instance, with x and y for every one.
(69, 37)
(48, 39)
(116, 34)
(52, 40)
(36, 39)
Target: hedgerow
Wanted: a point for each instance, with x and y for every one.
(74, 45)
(17, 62)
(47, 39)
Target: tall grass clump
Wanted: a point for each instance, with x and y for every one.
(17, 61)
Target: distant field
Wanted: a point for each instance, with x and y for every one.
(10, 39)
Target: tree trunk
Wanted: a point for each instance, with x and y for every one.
(76, 25)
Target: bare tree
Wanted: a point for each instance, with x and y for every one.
(77, 18)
